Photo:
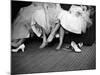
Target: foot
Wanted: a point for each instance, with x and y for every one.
(43, 44)
(75, 47)
(22, 47)
(14, 50)
(58, 47)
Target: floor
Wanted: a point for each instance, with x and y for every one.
(48, 59)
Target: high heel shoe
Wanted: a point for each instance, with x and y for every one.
(22, 47)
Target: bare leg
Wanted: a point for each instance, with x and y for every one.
(51, 36)
(44, 43)
(61, 38)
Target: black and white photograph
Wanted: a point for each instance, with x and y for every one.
(52, 37)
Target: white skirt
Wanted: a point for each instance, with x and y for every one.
(71, 22)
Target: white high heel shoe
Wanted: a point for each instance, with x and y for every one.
(74, 45)
(22, 47)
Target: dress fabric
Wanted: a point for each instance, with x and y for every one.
(35, 18)
(75, 20)
(24, 21)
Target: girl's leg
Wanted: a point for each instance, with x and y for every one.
(53, 32)
(61, 38)
(44, 42)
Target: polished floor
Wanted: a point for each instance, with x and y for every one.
(35, 60)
